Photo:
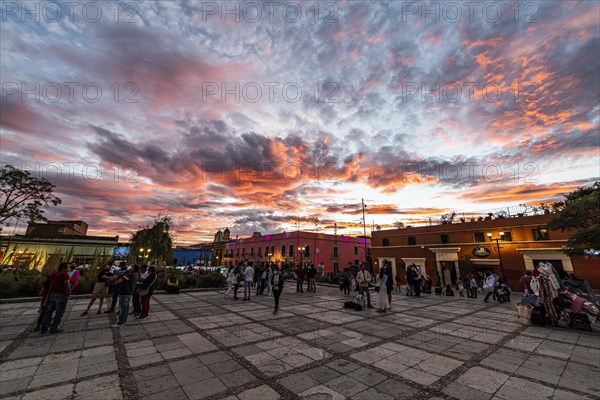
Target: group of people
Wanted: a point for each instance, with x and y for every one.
(134, 284)
(251, 274)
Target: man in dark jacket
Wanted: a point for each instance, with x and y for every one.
(126, 282)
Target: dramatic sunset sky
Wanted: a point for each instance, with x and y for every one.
(347, 109)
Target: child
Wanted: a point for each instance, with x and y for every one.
(449, 291)
(461, 289)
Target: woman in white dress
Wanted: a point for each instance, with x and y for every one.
(382, 297)
(229, 283)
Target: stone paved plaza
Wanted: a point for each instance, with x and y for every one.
(198, 345)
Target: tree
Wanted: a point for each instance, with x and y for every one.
(152, 242)
(24, 195)
(579, 211)
(398, 224)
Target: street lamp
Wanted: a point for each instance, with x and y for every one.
(301, 251)
(498, 248)
(269, 254)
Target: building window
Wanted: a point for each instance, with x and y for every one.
(237, 252)
(306, 251)
(335, 252)
(507, 236)
(355, 250)
(252, 251)
(243, 252)
(386, 242)
(412, 240)
(259, 251)
(283, 251)
(540, 233)
(478, 237)
(291, 250)
(444, 238)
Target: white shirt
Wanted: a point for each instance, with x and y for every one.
(363, 278)
(249, 274)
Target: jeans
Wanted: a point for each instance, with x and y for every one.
(473, 292)
(311, 285)
(247, 289)
(236, 286)
(145, 305)
(123, 308)
(299, 283)
(57, 302)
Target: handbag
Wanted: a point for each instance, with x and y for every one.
(144, 292)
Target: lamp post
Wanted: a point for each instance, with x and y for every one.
(301, 251)
(144, 254)
(498, 249)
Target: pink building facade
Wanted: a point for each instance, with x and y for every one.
(335, 251)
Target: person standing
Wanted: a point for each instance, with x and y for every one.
(270, 279)
(100, 289)
(127, 283)
(229, 280)
(59, 290)
(363, 278)
(114, 286)
(346, 283)
(146, 292)
(489, 285)
(248, 279)
(398, 281)
(389, 283)
(74, 275)
(299, 279)
(461, 288)
(526, 281)
(264, 274)
(381, 289)
(136, 298)
(277, 282)
(238, 278)
(312, 277)
(415, 275)
(473, 287)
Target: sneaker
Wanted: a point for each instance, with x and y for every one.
(146, 317)
(117, 326)
(83, 314)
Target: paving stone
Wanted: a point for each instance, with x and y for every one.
(262, 392)
(53, 393)
(204, 388)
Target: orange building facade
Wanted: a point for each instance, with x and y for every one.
(451, 251)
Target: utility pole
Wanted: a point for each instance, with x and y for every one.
(365, 234)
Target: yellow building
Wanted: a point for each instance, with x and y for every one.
(50, 243)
